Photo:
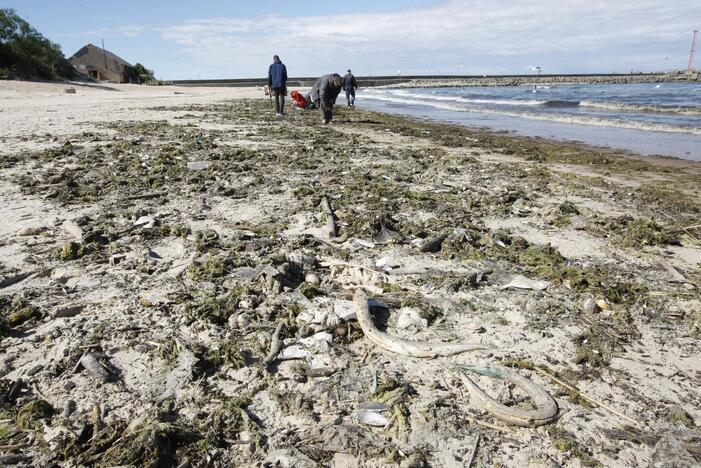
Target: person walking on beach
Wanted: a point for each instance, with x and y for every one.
(350, 85)
(277, 83)
(324, 94)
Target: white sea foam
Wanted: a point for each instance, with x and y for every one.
(419, 100)
(612, 106)
(435, 97)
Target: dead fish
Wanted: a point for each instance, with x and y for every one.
(521, 282)
(435, 244)
(72, 228)
(675, 274)
(32, 231)
(94, 367)
(364, 243)
(372, 418)
(321, 371)
(372, 406)
(301, 258)
(293, 352)
(385, 234)
(14, 279)
(69, 408)
(67, 310)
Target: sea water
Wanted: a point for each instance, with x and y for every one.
(649, 119)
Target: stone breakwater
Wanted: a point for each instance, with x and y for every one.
(415, 81)
(548, 80)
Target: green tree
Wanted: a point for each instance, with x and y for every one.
(26, 53)
(139, 74)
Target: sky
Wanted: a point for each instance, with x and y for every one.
(211, 39)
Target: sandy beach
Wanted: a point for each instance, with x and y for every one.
(171, 295)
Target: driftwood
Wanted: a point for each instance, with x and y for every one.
(402, 346)
(331, 228)
(474, 451)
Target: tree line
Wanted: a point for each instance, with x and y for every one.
(26, 53)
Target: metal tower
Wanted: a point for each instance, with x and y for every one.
(693, 51)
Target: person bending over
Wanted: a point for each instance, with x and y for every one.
(277, 83)
(324, 94)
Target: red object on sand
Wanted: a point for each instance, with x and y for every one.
(298, 100)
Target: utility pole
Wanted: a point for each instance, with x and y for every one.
(693, 51)
(104, 54)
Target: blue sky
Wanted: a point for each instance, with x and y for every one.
(235, 39)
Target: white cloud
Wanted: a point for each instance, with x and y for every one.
(481, 34)
(130, 31)
(126, 31)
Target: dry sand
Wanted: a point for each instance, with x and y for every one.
(33, 108)
(170, 296)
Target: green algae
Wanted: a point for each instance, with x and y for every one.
(565, 441)
(32, 412)
(73, 250)
(218, 309)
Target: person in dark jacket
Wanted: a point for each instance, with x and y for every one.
(324, 94)
(349, 86)
(277, 83)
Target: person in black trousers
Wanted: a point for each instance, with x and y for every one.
(350, 85)
(277, 83)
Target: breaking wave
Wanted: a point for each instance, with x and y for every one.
(619, 106)
(453, 104)
(553, 103)
(561, 103)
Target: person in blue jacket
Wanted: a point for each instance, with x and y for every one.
(277, 83)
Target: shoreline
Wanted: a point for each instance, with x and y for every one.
(417, 82)
(498, 140)
(516, 133)
(177, 241)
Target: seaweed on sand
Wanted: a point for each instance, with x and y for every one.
(211, 267)
(396, 395)
(427, 311)
(627, 231)
(152, 444)
(16, 311)
(218, 309)
(73, 250)
(229, 423)
(595, 348)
